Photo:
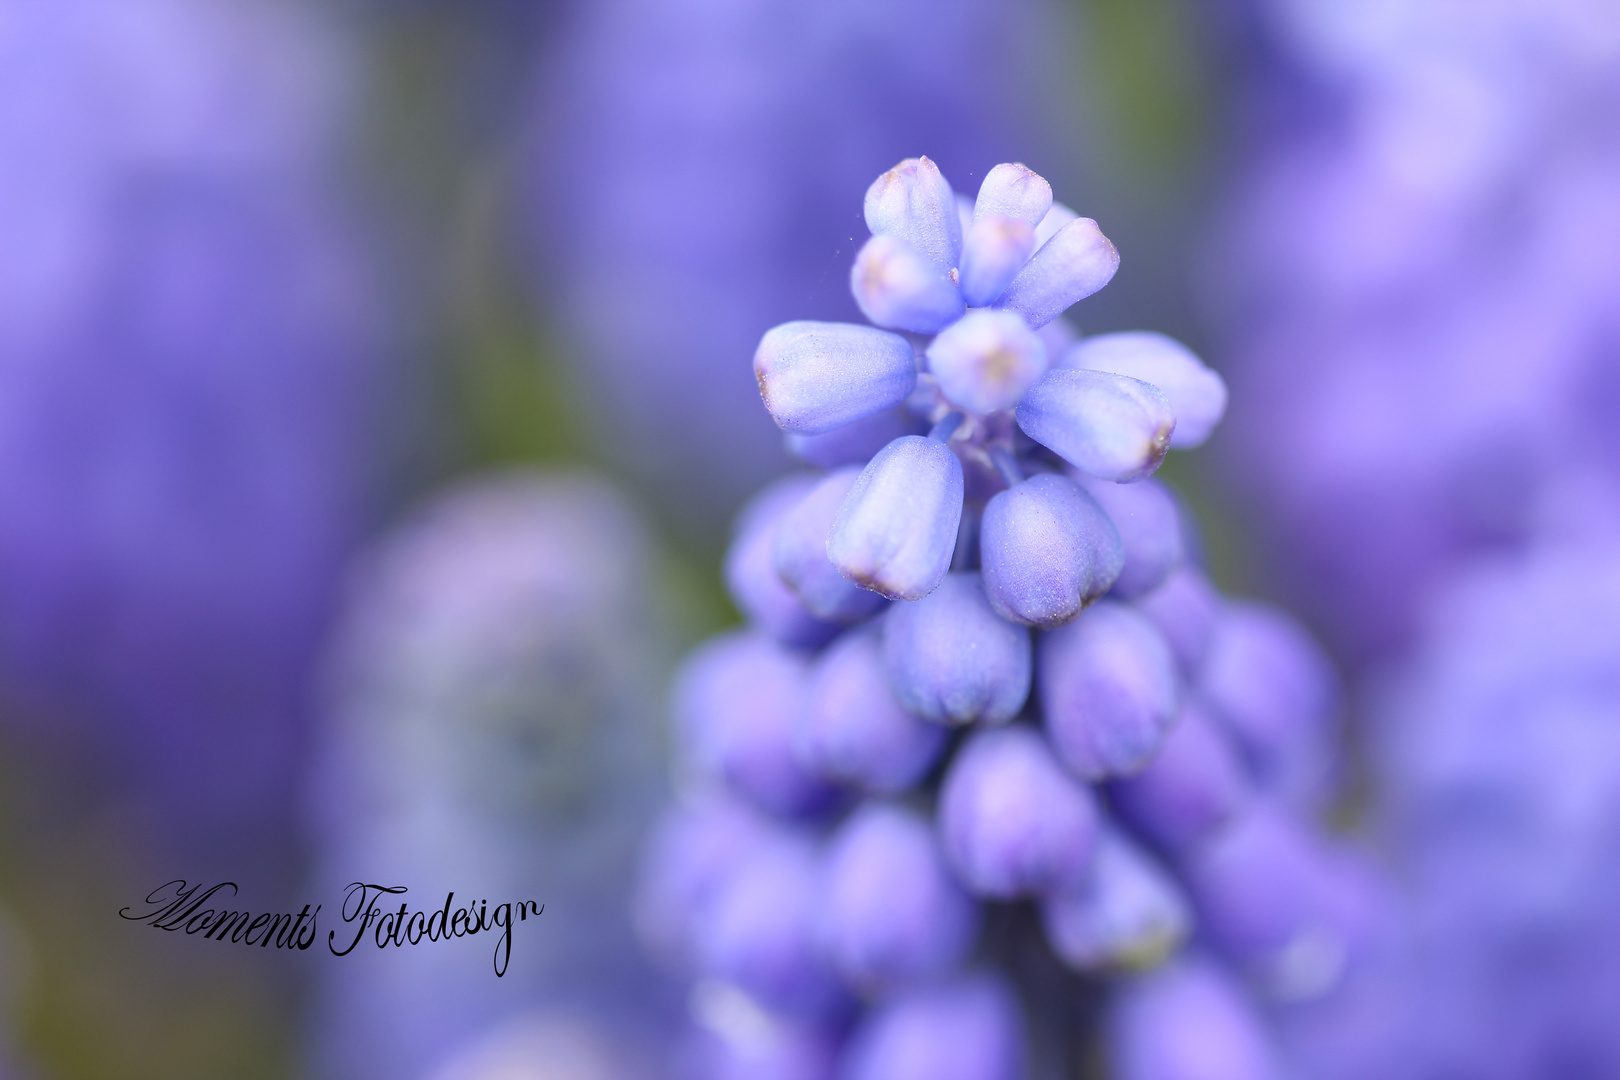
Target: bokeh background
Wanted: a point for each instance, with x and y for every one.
(375, 396)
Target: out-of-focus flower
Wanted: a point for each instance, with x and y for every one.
(1419, 277)
(188, 337)
(492, 734)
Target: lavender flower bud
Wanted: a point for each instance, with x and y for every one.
(952, 660)
(1186, 609)
(1047, 550)
(737, 700)
(1192, 788)
(1275, 690)
(736, 1038)
(750, 568)
(914, 203)
(966, 1029)
(686, 859)
(759, 932)
(816, 376)
(1188, 1021)
(896, 287)
(896, 530)
(986, 361)
(1113, 427)
(1149, 529)
(1052, 223)
(852, 730)
(800, 554)
(1125, 912)
(1108, 691)
(1197, 394)
(854, 443)
(995, 250)
(891, 914)
(1013, 822)
(1016, 192)
(1076, 262)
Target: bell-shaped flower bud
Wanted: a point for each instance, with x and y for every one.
(687, 857)
(760, 931)
(914, 203)
(986, 361)
(896, 530)
(1069, 267)
(1275, 689)
(1188, 1020)
(853, 730)
(816, 376)
(800, 554)
(1126, 911)
(1197, 394)
(1186, 609)
(1013, 822)
(1150, 531)
(737, 1038)
(1047, 550)
(1113, 427)
(1052, 223)
(1270, 895)
(995, 249)
(737, 701)
(967, 1029)
(1108, 691)
(952, 660)
(896, 287)
(1013, 191)
(1193, 787)
(854, 443)
(891, 914)
(750, 568)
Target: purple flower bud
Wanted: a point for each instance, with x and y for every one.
(1047, 550)
(896, 531)
(1124, 912)
(1185, 609)
(1276, 691)
(853, 730)
(855, 442)
(816, 376)
(1194, 785)
(995, 250)
(952, 660)
(1069, 267)
(1188, 1021)
(1108, 691)
(687, 857)
(1013, 822)
(750, 568)
(1197, 394)
(891, 914)
(1149, 529)
(914, 203)
(1016, 192)
(1052, 223)
(986, 361)
(1111, 426)
(896, 287)
(966, 1029)
(738, 1039)
(800, 554)
(737, 700)
(1262, 888)
(759, 932)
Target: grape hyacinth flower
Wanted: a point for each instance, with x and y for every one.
(984, 676)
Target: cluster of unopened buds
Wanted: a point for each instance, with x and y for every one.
(983, 676)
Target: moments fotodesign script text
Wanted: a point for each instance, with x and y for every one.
(174, 906)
